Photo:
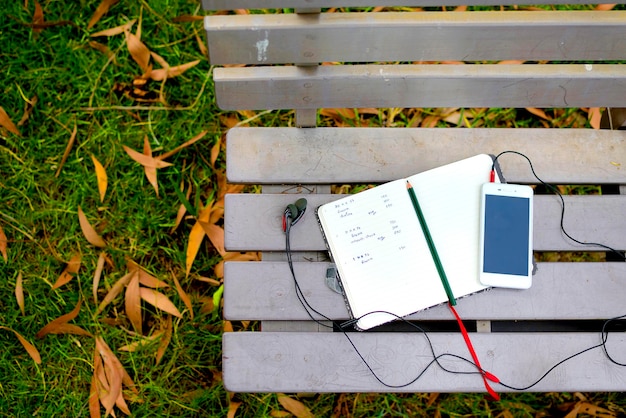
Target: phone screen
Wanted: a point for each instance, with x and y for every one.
(506, 237)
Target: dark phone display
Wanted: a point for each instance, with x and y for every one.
(506, 235)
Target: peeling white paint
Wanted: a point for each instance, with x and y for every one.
(261, 49)
(588, 67)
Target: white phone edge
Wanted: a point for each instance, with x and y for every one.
(497, 279)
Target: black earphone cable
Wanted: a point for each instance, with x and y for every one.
(436, 357)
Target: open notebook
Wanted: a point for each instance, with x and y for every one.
(382, 258)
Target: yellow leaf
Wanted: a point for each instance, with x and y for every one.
(297, 408)
(116, 30)
(100, 11)
(171, 72)
(30, 349)
(89, 232)
(3, 245)
(183, 296)
(216, 236)
(51, 327)
(138, 50)
(97, 275)
(69, 272)
(7, 123)
(193, 246)
(101, 176)
(133, 302)
(159, 300)
(19, 293)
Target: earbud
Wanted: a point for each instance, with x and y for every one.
(294, 212)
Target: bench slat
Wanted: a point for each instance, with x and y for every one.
(253, 222)
(561, 291)
(326, 362)
(376, 155)
(489, 85)
(376, 37)
(279, 4)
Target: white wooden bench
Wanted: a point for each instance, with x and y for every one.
(518, 335)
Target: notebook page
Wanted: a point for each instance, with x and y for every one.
(382, 257)
(450, 200)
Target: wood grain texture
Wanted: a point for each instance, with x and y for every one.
(326, 362)
(488, 85)
(279, 4)
(376, 155)
(408, 37)
(561, 291)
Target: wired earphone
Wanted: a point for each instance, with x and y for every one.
(294, 212)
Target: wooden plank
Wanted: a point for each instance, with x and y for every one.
(280, 4)
(375, 37)
(376, 155)
(489, 85)
(326, 362)
(562, 291)
(253, 222)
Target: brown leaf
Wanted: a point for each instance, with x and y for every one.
(297, 408)
(68, 149)
(183, 296)
(70, 329)
(215, 151)
(165, 339)
(69, 272)
(100, 11)
(138, 51)
(30, 349)
(101, 176)
(19, 293)
(29, 106)
(151, 172)
(97, 275)
(133, 302)
(605, 6)
(145, 160)
(196, 235)
(116, 30)
(149, 280)
(187, 18)
(63, 319)
(113, 373)
(216, 236)
(183, 146)
(94, 403)
(7, 123)
(132, 347)
(171, 72)
(159, 300)
(595, 116)
(115, 290)
(232, 409)
(538, 112)
(182, 210)
(4, 243)
(89, 232)
(38, 18)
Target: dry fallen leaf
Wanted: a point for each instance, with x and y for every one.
(29, 106)
(159, 300)
(19, 293)
(7, 123)
(101, 176)
(132, 347)
(132, 302)
(145, 160)
(297, 408)
(97, 275)
(151, 172)
(232, 409)
(595, 116)
(171, 72)
(165, 339)
(38, 18)
(116, 289)
(183, 146)
(100, 11)
(183, 296)
(196, 235)
(138, 51)
(89, 232)
(52, 327)
(69, 272)
(216, 236)
(116, 30)
(68, 148)
(4, 242)
(30, 349)
(114, 374)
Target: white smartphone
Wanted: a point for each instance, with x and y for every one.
(506, 235)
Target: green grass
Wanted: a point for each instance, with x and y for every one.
(76, 85)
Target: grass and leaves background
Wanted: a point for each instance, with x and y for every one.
(111, 209)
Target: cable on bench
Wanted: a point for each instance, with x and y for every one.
(310, 310)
